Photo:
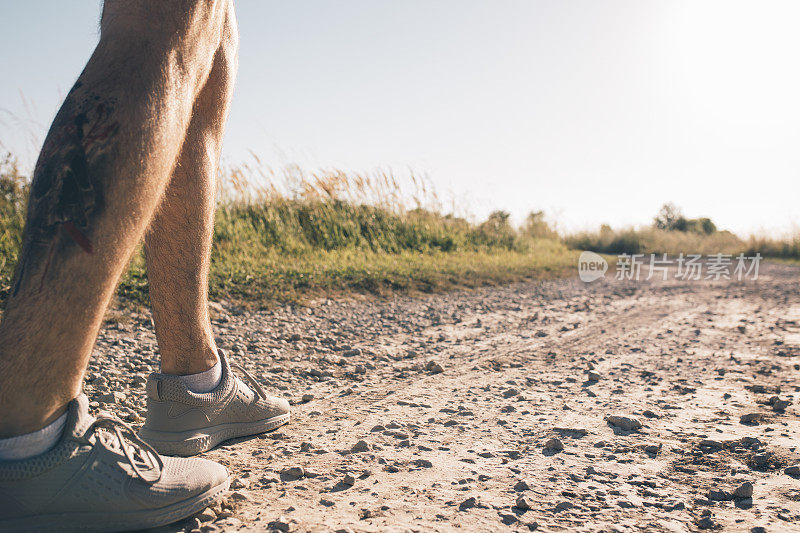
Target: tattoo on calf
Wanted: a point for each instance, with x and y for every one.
(64, 194)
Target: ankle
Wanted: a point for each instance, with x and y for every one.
(190, 362)
(34, 443)
(15, 421)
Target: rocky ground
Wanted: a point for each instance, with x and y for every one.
(556, 406)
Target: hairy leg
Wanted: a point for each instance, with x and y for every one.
(178, 243)
(100, 175)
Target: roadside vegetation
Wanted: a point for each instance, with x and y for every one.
(672, 233)
(288, 235)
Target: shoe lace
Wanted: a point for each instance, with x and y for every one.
(251, 380)
(129, 443)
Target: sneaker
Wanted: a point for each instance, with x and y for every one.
(102, 477)
(182, 422)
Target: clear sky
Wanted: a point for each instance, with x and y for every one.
(595, 111)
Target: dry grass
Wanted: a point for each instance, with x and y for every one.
(285, 234)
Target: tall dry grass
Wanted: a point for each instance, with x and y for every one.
(282, 232)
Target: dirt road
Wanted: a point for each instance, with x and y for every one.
(437, 413)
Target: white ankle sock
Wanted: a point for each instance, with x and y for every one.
(32, 444)
(204, 381)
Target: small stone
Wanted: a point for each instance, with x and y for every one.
(207, 515)
(305, 446)
(793, 470)
(706, 523)
(524, 503)
(378, 428)
(750, 418)
(761, 459)
(563, 506)
(510, 392)
(361, 446)
(355, 352)
(281, 524)
(625, 423)
(469, 503)
(111, 397)
(554, 445)
(743, 491)
(307, 398)
(239, 496)
(593, 376)
(716, 495)
(239, 484)
(778, 404)
(507, 518)
(349, 479)
(711, 444)
(521, 486)
(652, 449)
(434, 368)
(295, 471)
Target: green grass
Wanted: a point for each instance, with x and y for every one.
(288, 236)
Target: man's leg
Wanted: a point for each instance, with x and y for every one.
(101, 173)
(178, 243)
(197, 401)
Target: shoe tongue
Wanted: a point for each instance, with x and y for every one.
(78, 417)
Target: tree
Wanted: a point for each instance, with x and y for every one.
(669, 217)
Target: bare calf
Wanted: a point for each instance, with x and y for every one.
(115, 146)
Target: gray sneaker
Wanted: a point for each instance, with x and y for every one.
(182, 422)
(102, 477)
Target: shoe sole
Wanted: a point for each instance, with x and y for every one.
(110, 521)
(192, 442)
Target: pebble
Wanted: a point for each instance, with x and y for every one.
(469, 503)
(717, 495)
(563, 506)
(593, 375)
(522, 486)
(307, 398)
(207, 515)
(434, 368)
(793, 470)
(750, 418)
(349, 479)
(745, 490)
(554, 444)
(706, 523)
(239, 496)
(524, 503)
(281, 524)
(361, 446)
(111, 397)
(295, 471)
(626, 423)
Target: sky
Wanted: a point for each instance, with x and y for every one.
(593, 111)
